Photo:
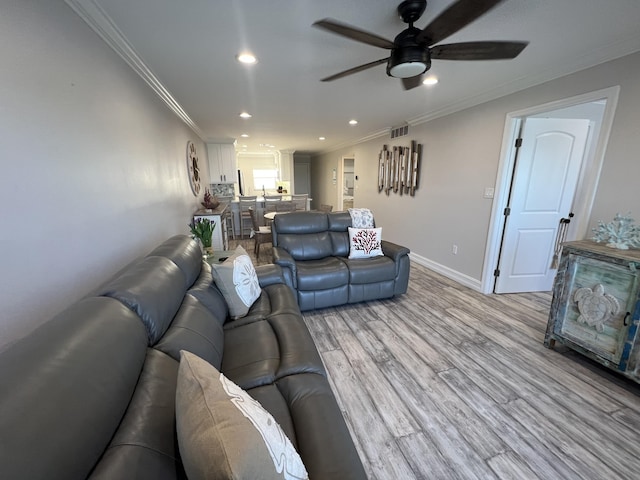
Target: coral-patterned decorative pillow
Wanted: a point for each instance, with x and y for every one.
(365, 242)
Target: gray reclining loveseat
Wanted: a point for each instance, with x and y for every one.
(313, 249)
(92, 392)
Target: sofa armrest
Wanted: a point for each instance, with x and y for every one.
(282, 258)
(269, 274)
(393, 250)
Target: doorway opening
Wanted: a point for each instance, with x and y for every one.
(346, 185)
(598, 109)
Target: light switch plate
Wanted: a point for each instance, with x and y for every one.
(488, 192)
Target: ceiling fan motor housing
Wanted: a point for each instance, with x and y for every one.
(409, 58)
(411, 10)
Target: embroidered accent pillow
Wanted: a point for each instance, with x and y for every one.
(237, 280)
(365, 242)
(361, 218)
(224, 433)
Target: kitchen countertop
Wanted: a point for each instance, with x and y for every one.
(261, 199)
(219, 210)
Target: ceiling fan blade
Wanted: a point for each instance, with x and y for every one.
(355, 70)
(457, 16)
(412, 82)
(353, 33)
(478, 51)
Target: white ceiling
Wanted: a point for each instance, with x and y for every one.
(187, 50)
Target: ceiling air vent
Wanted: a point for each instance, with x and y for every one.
(400, 131)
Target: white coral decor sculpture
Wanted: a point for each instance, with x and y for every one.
(620, 234)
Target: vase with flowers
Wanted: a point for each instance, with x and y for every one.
(202, 229)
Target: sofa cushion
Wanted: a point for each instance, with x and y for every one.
(365, 242)
(206, 291)
(324, 442)
(362, 292)
(224, 433)
(370, 270)
(303, 235)
(185, 253)
(339, 223)
(308, 246)
(275, 300)
(65, 387)
(314, 299)
(195, 329)
(329, 272)
(262, 351)
(237, 280)
(144, 446)
(153, 288)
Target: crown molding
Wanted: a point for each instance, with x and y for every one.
(604, 54)
(101, 23)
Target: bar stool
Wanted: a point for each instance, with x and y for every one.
(285, 206)
(227, 216)
(246, 203)
(300, 201)
(270, 202)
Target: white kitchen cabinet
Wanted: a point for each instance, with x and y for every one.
(222, 162)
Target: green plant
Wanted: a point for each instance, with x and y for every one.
(202, 229)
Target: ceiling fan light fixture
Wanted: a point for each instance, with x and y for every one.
(407, 69)
(408, 62)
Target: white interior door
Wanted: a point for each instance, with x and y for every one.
(543, 189)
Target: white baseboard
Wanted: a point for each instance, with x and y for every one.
(461, 278)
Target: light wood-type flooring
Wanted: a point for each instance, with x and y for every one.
(447, 383)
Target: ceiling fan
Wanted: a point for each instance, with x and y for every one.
(412, 50)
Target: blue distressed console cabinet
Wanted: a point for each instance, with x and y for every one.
(596, 306)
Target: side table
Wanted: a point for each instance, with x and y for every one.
(218, 256)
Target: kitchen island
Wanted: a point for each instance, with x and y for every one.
(235, 210)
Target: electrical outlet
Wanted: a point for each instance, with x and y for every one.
(454, 249)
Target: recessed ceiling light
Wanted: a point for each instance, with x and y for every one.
(245, 135)
(430, 81)
(245, 115)
(353, 122)
(247, 58)
(321, 138)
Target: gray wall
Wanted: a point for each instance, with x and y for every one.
(461, 155)
(93, 164)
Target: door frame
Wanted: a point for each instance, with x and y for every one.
(340, 180)
(587, 183)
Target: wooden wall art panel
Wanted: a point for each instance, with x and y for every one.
(399, 169)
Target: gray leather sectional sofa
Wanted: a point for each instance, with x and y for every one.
(313, 249)
(91, 393)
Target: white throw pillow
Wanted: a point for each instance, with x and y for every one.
(365, 242)
(237, 280)
(224, 433)
(361, 218)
